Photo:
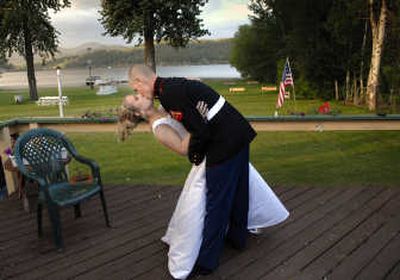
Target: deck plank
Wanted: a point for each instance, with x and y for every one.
(380, 252)
(81, 228)
(394, 272)
(329, 248)
(133, 224)
(300, 218)
(337, 233)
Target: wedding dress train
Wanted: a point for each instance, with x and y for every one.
(184, 233)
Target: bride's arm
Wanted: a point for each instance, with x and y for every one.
(171, 139)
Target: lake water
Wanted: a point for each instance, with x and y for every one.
(76, 77)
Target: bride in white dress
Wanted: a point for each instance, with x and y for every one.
(184, 233)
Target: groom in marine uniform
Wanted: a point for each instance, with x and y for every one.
(221, 136)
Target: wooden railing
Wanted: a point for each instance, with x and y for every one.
(282, 123)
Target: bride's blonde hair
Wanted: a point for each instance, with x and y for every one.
(128, 119)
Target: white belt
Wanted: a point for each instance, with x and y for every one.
(215, 109)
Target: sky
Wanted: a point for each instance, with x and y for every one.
(79, 24)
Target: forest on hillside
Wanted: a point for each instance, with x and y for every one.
(195, 53)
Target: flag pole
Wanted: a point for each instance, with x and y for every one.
(276, 105)
(294, 93)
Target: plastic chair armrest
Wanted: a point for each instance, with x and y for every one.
(93, 165)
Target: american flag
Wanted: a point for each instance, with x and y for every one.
(287, 80)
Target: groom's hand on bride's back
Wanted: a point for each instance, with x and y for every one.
(195, 150)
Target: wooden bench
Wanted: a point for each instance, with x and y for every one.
(237, 89)
(52, 100)
(268, 89)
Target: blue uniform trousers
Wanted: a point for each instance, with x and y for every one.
(227, 206)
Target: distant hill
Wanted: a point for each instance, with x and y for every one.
(19, 62)
(202, 52)
(86, 48)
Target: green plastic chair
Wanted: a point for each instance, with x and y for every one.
(40, 154)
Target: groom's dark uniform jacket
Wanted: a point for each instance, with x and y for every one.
(219, 138)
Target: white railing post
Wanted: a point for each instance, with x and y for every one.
(60, 101)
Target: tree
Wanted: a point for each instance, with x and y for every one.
(174, 21)
(321, 38)
(26, 29)
(378, 27)
(391, 58)
(331, 44)
(254, 53)
(297, 32)
(347, 25)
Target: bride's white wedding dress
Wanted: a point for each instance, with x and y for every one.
(184, 233)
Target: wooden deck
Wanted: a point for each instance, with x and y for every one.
(332, 233)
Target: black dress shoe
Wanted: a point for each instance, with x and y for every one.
(205, 271)
(240, 246)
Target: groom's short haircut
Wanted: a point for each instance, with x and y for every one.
(140, 70)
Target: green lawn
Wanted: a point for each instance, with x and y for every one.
(324, 159)
(251, 102)
(81, 100)
(284, 158)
